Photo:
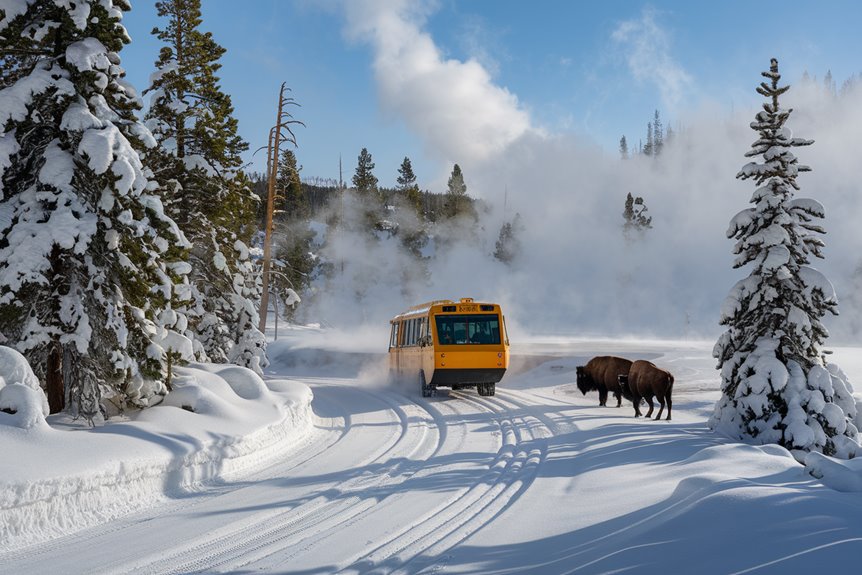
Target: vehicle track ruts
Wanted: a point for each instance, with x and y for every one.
(393, 441)
(451, 434)
(509, 474)
(283, 528)
(165, 556)
(281, 557)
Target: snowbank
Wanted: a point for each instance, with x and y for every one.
(839, 474)
(220, 421)
(14, 370)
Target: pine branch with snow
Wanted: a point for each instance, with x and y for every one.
(776, 385)
(86, 250)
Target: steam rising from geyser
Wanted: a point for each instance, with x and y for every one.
(576, 274)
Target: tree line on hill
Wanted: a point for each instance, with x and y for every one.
(404, 212)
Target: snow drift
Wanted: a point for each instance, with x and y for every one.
(220, 421)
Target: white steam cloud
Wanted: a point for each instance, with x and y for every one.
(454, 106)
(576, 274)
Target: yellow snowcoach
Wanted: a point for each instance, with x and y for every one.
(450, 344)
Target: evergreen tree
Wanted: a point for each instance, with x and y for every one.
(829, 83)
(776, 386)
(293, 236)
(624, 148)
(88, 258)
(456, 196)
(635, 220)
(408, 186)
(406, 177)
(849, 84)
(205, 190)
(364, 179)
(294, 259)
(189, 111)
(658, 136)
(649, 148)
(289, 186)
(508, 245)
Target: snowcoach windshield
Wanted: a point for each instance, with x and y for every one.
(468, 329)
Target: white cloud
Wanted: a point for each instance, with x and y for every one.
(648, 54)
(454, 106)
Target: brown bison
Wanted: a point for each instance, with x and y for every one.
(600, 374)
(645, 381)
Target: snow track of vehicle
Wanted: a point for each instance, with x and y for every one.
(447, 466)
(509, 473)
(275, 529)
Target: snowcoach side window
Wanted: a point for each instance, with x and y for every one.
(393, 338)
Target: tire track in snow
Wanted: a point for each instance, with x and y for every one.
(509, 474)
(327, 433)
(397, 442)
(444, 430)
(277, 559)
(273, 531)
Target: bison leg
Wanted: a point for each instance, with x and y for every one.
(603, 396)
(637, 402)
(649, 402)
(660, 407)
(669, 403)
(619, 397)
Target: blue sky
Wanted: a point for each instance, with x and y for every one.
(456, 81)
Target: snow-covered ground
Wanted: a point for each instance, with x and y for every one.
(366, 477)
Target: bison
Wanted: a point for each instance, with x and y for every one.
(645, 381)
(600, 374)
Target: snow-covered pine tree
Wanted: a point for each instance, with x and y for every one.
(88, 259)
(198, 163)
(776, 386)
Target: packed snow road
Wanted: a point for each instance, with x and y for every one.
(536, 479)
(386, 481)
